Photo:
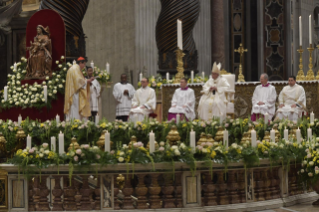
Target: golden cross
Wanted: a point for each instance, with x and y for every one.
(240, 50)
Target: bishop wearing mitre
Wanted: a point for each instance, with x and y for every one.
(77, 94)
(292, 101)
(143, 102)
(213, 101)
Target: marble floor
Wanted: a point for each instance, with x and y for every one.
(304, 207)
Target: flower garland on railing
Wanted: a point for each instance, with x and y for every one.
(124, 151)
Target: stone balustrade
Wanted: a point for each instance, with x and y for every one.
(236, 189)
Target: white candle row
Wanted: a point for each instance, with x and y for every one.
(310, 30)
(107, 66)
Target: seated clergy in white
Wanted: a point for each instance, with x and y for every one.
(144, 102)
(292, 100)
(264, 99)
(213, 101)
(183, 103)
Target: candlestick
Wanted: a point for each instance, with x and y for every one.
(298, 135)
(152, 142)
(225, 138)
(53, 144)
(15, 66)
(108, 68)
(179, 35)
(253, 138)
(97, 119)
(167, 77)
(57, 119)
(5, 93)
(310, 30)
(272, 135)
(286, 134)
(141, 76)
(192, 139)
(178, 118)
(300, 75)
(266, 118)
(310, 74)
(309, 133)
(107, 143)
(19, 119)
(300, 31)
(92, 64)
(45, 93)
(312, 117)
(29, 141)
(192, 76)
(61, 143)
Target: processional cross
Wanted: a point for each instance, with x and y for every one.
(241, 51)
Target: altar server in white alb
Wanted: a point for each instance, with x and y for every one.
(123, 93)
(95, 90)
(213, 101)
(144, 102)
(183, 103)
(292, 100)
(264, 99)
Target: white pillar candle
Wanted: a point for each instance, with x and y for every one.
(203, 74)
(97, 119)
(92, 64)
(141, 76)
(45, 93)
(192, 76)
(29, 144)
(272, 135)
(15, 66)
(221, 118)
(167, 77)
(309, 133)
(300, 31)
(192, 139)
(61, 143)
(312, 117)
(310, 30)
(179, 34)
(286, 134)
(108, 68)
(225, 138)
(19, 119)
(5, 93)
(107, 143)
(178, 118)
(57, 119)
(266, 117)
(253, 138)
(53, 144)
(152, 142)
(298, 135)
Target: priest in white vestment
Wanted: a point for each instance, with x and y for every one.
(77, 93)
(95, 90)
(183, 103)
(292, 101)
(213, 101)
(123, 93)
(143, 103)
(264, 99)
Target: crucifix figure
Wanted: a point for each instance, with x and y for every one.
(241, 51)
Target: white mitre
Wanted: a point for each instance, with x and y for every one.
(216, 68)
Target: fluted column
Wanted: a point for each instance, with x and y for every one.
(166, 34)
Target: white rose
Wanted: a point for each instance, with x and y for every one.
(62, 57)
(60, 86)
(43, 99)
(41, 155)
(46, 152)
(57, 62)
(47, 78)
(64, 69)
(2, 100)
(311, 163)
(120, 159)
(60, 66)
(54, 91)
(177, 152)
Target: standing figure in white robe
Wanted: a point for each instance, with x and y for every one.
(95, 90)
(143, 103)
(183, 103)
(213, 101)
(264, 99)
(292, 101)
(123, 93)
